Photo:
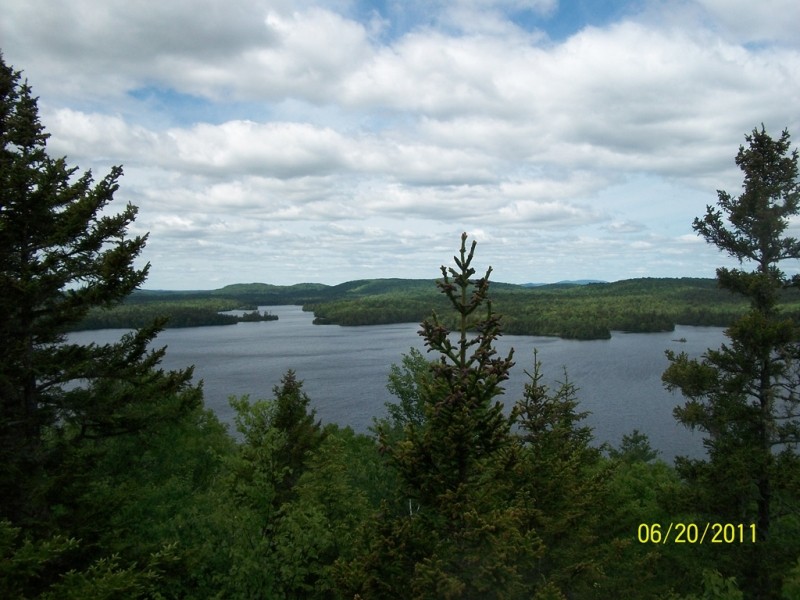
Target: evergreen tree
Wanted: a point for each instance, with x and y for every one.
(320, 524)
(62, 253)
(634, 448)
(561, 485)
(280, 435)
(290, 485)
(463, 422)
(744, 396)
(303, 434)
(456, 532)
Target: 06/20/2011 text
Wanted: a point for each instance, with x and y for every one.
(693, 533)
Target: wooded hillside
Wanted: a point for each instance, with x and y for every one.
(573, 311)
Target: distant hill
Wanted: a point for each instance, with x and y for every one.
(566, 282)
(580, 309)
(371, 287)
(266, 288)
(588, 310)
(255, 293)
(300, 293)
(358, 287)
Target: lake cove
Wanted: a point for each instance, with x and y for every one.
(345, 370)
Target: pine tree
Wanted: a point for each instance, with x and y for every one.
(744, 396)
(303, 432)
(561, 484)
(464, 424)
(61, 253)
(456, 532)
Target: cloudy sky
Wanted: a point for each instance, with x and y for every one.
(284, 142)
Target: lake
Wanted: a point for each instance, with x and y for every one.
(345, 369)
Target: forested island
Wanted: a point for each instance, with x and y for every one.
(142, 310)
(117, 482)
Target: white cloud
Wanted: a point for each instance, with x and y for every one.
(617, 227)
(296, 133)
(311, 53)
(270, 149)
(248, 49)
(99, 137)
(763, 21)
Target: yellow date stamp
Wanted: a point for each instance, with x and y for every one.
(696, 533)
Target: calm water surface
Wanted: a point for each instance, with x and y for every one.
(345, 369)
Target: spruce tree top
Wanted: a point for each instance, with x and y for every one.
(758, 218)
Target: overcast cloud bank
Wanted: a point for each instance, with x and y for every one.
(325, 141)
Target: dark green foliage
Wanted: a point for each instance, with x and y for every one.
(715, 587)
(297, 423)
(744, 395)
(30, 569)
(464, 424)
(133, 509)
(63, 253)
(456, 532)
(560, 483)
(294, 498)
(196, 312)
(635, 447)
(26, 565)
(642, 490)
(576, 311)
(134, 495)
(320, 526)
(406, 383)
(791, 583)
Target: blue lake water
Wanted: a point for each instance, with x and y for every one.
(345, 369)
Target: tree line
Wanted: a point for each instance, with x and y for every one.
(586, 312)
(117, 482)
(589, 311)
(175, 313)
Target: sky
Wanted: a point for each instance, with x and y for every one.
(286, 142)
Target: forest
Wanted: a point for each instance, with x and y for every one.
(568, 311)
(117, 482)
(187, 312)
